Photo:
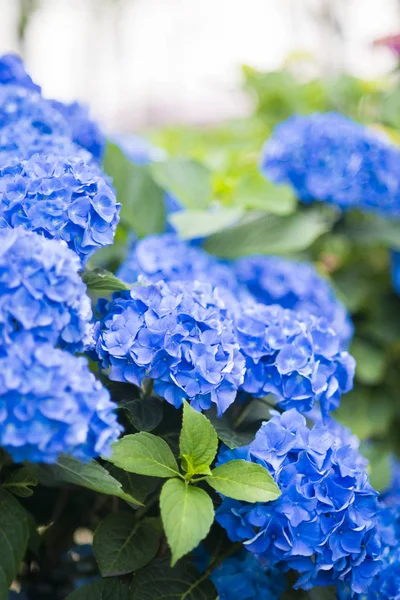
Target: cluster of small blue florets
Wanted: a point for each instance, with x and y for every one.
(20, 98)
(242, 576)
(41, 291)
(324, 524)
(296, 358)
(295, 285)
(50, 403)
(331, 158)
(165, 257)
(177, 334)
(59, 197)
(52, 195)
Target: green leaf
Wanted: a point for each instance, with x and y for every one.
(14, 534)
(368, 412)
(198, 442)
(370, 361)
(102, 589)
(138, 486)
(370, 230)
(121, 545)
(270, 234)
(187, 514)
(158, 581)
(192, 224)
(91, 475)
(255, 192)
(20, 482)
(3, 584)
(226, 432)
(188, 180)
(145, 414)
(142, 199)
(101, 279)
(144, 454)
(245, 481)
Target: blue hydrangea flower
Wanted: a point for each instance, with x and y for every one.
(180, 336)
(295, 285)
(84, 131)
(331, 158)
(18, 103)
(324, 524)
(296, 358)
(139, 150)
(51, 404)
(242, 576)
(395, 270)
(22, 139)
(166, 257)
(12, 71)
(60, 197)
(41, 290)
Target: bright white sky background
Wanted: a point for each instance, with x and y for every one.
(145, 62)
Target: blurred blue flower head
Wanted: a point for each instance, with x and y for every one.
(177, 334)
(60, 197)
(51, 404)
(329, 157)
(324, 524)
(12, 71)
(41, 291)
(165, 257)
(295, 285)
(296, 358)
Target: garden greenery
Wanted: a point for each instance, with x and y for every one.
(200, 339)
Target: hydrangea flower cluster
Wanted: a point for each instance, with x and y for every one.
(395, 270)
(177, 334)
(165, 257)
(296, 358)
(331, 158)
(50, 403)
(59, 197)
(50, 187)
(84, 132)
(294, 285)
(41, 291)
(324, 524)
(242, 576)
(12, 71)
(75, 118)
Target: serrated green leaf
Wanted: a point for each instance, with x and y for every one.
(101, 279)
(20, 482)
(91, 475)
(14, 534)
(198, 441)
(142, 199)
(255, 192)
(270, 234)
(138, 486)
(187, 179)
(144, 454)
(192, 224)
(187, 514)
(121, 545)
(243, 480)
(158, 581)
(102, 589)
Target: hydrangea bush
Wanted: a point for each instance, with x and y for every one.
(189, 325)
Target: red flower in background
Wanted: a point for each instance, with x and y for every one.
(390, 41)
